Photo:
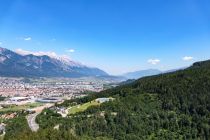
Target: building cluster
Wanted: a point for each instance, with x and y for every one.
(47, 87)
(27, 100)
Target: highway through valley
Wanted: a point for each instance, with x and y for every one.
(31, 118)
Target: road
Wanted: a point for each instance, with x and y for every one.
(32, 121)
(31, 118)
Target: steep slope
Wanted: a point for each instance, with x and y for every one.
(168, 106)
(13, 64)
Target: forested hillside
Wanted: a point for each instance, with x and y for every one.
(167, 106)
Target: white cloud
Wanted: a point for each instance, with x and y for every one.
(64, 58)
(70, 50)
(27, 38)
(22, 52)
(153, 61)
(187, 58)
(39, 53)
(1, 43)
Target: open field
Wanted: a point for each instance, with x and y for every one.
(83, 107)
(13, 108)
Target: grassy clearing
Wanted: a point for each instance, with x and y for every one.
(83, 107)
(14, 108)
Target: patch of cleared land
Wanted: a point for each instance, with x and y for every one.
(83, 107)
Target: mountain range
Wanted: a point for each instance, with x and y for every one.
(141, 73)
(16, 64)
(13, 64)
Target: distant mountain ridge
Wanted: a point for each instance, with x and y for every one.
(13, 64)
(141, 73)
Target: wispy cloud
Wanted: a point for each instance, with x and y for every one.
(1, 43)
(153, 61)
(27, 38)
(187, 58)
(39, 53)
(70, 50)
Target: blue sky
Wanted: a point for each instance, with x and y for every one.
(115, 35)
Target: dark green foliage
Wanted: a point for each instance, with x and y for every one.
(48, 118)
(168, 106)
(2, 98)
(16, 127)
(165, 107)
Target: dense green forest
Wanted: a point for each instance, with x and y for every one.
(169, 106)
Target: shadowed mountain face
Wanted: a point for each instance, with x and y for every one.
(13, 64)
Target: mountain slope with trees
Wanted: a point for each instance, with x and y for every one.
(167, 106)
